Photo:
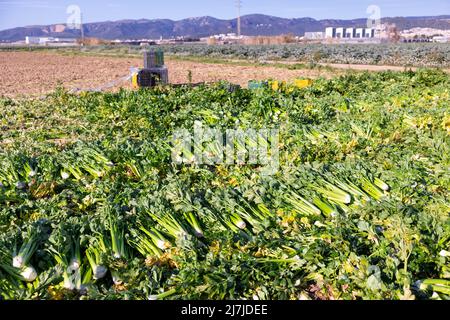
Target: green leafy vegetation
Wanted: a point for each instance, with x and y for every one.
(92, 206)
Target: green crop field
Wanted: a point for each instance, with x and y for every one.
(431, 55)
(402, 54)
(93, 207)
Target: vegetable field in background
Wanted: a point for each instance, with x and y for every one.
(418, 55)
(92, 206)
(436, 55)
(402, 54)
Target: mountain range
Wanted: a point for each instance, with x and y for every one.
(255, 24)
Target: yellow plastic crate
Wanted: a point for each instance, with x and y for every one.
(303, 83)
(277, 85)
(134, 80)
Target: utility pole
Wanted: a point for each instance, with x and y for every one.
(239, 6)
(82, 29)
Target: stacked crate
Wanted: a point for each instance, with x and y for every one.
(154, 72)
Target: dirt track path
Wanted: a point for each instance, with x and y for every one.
(365, 67)
(369, 67)
(358, 67)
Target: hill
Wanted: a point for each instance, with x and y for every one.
(255, 24)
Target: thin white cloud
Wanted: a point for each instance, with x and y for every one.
(28, 4)
(114, 5)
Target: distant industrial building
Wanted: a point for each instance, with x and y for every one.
(425, 35)
(341, 33)
(35, 40)
(359, 33)
(314, 35)
(349, 33)
(370, 33)
(441, 39)
(46, 40)
(330, 33)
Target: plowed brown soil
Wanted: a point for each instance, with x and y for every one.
(38, 73)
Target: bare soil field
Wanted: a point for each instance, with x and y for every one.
(38, 73)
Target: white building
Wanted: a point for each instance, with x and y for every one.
(339, 33)
(314, 35)
(369, 33)
(350, 33)
(45, 40)
(36, 40)
(441, 39)
(359, 33)
(330, 32)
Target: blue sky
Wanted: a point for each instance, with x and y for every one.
(21, 13)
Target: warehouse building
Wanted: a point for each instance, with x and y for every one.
(46, 40)
(314, 35)
(349, 33)
(359, 33)
(330, 32)
(370, 33)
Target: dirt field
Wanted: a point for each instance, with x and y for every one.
(37, 73)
